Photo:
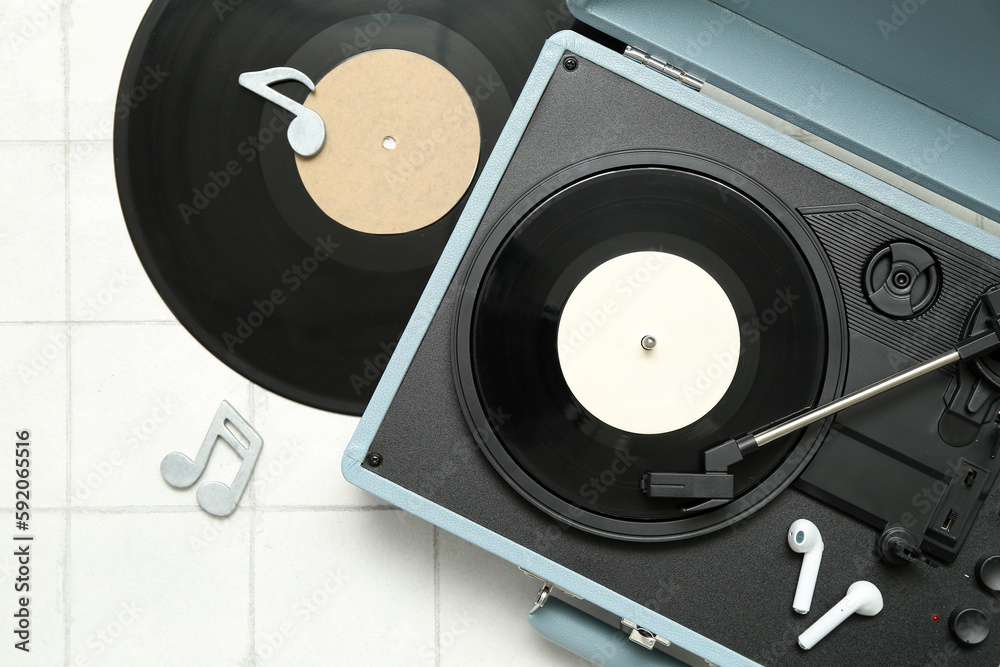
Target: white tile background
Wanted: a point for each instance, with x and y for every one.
(127, 570)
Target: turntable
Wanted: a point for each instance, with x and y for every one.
(661, 332)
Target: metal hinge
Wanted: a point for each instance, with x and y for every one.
(545, 591)
(652, 62)
(642, 636)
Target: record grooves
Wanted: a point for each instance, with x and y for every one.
(219, 216)
(557, 453)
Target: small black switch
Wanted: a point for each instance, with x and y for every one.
(988, 572)
(969, 625)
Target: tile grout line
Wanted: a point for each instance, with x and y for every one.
(251, 409)
(194, 509)
(43, 142)
(437, 600)
(64, 28)
(68, 321)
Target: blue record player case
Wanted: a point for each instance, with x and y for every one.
(734, 51)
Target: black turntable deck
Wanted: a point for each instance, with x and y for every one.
(727, 574)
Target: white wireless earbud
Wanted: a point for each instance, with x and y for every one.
(804, 538)
(862, 598)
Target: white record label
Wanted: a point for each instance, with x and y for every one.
(649, 342)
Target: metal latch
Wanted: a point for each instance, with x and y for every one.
(545, 591)
(642, 636)
(674, 72)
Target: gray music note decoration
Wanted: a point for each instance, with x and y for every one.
(307, 132)
(215, 497)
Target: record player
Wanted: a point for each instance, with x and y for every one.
(663, 331)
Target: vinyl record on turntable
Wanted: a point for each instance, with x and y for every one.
(628, 314)
(300, 268)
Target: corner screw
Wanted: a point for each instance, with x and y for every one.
(571, 63)
(375, 459)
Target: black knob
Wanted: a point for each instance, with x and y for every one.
(902, 280)
(969, 625)
(988, 572)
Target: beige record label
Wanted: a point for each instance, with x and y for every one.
(649, 342)
(402, 142)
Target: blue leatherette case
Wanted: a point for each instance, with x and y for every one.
(958, 173)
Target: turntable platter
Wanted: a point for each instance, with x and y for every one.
(741, 339)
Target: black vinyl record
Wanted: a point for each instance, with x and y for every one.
(535, 431)
(233, 242)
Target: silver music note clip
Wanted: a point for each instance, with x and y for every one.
(215, 497)
(306, 132)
